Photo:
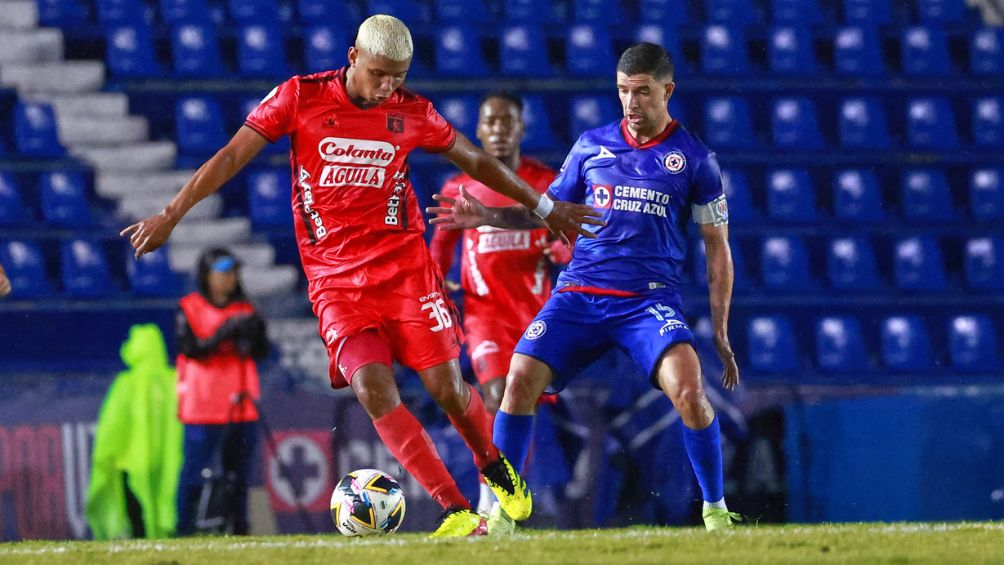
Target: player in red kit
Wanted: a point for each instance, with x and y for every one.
(359, 229)
(505, 273)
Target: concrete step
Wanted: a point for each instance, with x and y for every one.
(102, 130)
(222, 231)
(89, 105)
(149, 156)
(65, 77)
(18, 14)
(30, 46)
(267, 281)
(140, 206)
(300, 347)
(116, 184)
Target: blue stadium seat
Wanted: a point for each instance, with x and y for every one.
(733, 12)
(35, 133)
(530, 11)
(795, 124)
(325, 48)
(62, 13)
(925, 196)
(198, 124)
(941, 11)
(122, 12)
(261, 52)
(988, 122)
(461, 11)
(850, 264)
(784, 264)
(458, 52)
(924, 52)
(85, 269)
(790, 51)
(604, 12)
(699, 261)
(129, 52)
(588, 51)
(985, 263)
(195, 50)
(862, 124)
(723, 51)
(771, 344)
(917, 264)
(461, 110)
(523, 52)
(12, 211)
(857, 52)
(799, 12)
(840, 345)
(588, 112)
(326, 12)
(857, 197)
(871, 12)
(973, 345)
(268, 198)
(25, 267)
(986, 52)
(668, 38)
(986, 194)
(669, 12)
(539, 133)
(151, 274)
(930, 124)
(737, 192)
(791, 196)
(249, 12)
(727, 122)
(185, 11)
(407, 11)
(906, 346)
(64, 199)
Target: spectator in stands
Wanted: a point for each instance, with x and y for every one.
(219, 337)
(4, 283)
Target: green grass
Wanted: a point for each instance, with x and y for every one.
(851, 543)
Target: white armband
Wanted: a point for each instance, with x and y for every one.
(715, 212)
(544, 207)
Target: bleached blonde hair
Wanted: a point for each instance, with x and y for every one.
(385, 35)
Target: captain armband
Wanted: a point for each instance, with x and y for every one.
(715, 212)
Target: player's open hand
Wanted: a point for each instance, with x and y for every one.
(567, 218)
(730, 376)
(459, 213)
(149, 234)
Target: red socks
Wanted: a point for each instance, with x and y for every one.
(408, 441)
(475, 426)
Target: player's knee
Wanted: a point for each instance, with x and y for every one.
(376, 390)
(492, 394)
(689, 399)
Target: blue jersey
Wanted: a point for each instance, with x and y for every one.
(646, 194)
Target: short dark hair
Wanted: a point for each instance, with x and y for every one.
(646, 58)
(506, 95)
(205, 265)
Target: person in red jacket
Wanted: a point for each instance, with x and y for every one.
(219, 337)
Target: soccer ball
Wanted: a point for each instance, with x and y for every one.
(367, 502)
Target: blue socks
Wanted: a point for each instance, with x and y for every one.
(704, 447)
(513, 434)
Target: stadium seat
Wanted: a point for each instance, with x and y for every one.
(930, 124)
(871, 12)
(588, 51)
(797, 12)
(727, 123)
(462, 111)
(25, 267)
(862, 124)
(151, 274)
(523, 52)
(840, 345)
(406, 10)
(62, 13)
(458, 52)
(531, 11)
(64, 199)
(199, 125)
(973, 345)
(850, 264)
(35, 133)
(732, 12)
(986, 194)
(795, 124)
(940, 11)
(857, 52)
(988, 122)
(924, 52)
(604, 12)
(261, 52)
(771, 344)
(791, 196)
(12, 211)
(249, 12)
(268, 198)
(790, 51)
(325, 48)
(917, 264)
(737, 192)
(461, 11)
(986, 52)
(723, 51)
(857, 197)
(122, 12)
(906, 346)
(668, 12)
(85, 269)
(784, 264)
(984, 265)
(185, 11)
(129, 52)
(539, 133)
(588, 112)
(195, 50)
(925, 196)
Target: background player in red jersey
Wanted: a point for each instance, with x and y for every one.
(504, 273)
(359, 229)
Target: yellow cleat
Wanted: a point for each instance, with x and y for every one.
(510, 489)
(719, 519)
(461, 524)
(499, 523)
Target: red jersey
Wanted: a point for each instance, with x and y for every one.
(504, 272)
(355, 212)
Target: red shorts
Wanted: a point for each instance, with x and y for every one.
(490, 347)
(409, 310)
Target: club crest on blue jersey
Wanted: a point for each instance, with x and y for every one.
(601, 195)
(535, 330)
(675, 162)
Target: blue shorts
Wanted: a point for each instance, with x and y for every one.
(574, 329)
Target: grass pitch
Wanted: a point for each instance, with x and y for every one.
(970, 542)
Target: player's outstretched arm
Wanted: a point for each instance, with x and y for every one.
(720, 274)
(149, 234)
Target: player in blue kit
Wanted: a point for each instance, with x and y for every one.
(647, 176)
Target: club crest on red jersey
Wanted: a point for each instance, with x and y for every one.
(674, 162)
(395, 123)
